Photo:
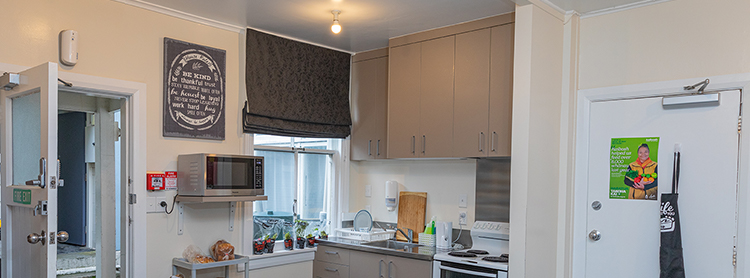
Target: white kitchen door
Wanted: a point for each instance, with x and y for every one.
(29, 174)
(630, 229)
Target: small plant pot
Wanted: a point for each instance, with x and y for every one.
(301, 243)
(324, 237)
(289, 244)
(311, 242)
(258, 246)
(270, 244)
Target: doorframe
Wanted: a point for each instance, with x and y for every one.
(578, 198)
(134, 108)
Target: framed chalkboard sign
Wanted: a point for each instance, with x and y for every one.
(194, 90)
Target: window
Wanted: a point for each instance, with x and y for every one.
(297, 170)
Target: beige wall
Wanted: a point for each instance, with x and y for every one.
(443, 180)
(124, 42)
(667, 41)
(537, 102)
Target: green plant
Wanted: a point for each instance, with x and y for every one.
(309, 236)
(287, 236)
(275, 236)
(323, 234)
(300, 226)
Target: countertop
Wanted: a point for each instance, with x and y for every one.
(421, 252)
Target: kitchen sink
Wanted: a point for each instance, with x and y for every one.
(392, 244)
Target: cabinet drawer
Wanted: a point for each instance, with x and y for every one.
(329, 270)
(332, 255)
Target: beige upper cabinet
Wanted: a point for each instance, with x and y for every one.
(404, 100)
(436, 99)
(501, 89)
(369, 105)
(451, 91)
(471, 134)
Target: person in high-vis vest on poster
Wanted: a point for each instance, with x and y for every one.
(645, 184)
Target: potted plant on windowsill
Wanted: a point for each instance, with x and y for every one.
(270, 243)
(300, 226)
(310, 240)
(288, 242)
(258, 246)
(323, 235)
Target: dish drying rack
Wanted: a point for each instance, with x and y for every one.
(373, 235)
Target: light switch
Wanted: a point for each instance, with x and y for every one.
(368, 190)
(462, 203)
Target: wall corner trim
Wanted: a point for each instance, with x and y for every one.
(183, 15)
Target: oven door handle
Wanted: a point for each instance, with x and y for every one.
(464, 271)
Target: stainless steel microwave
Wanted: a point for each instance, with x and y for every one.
(205, 174)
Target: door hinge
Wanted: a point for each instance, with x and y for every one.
(739, 124)
(132, 198)
(130, 220)
(734, 256)
(40, 208)
(130, 181)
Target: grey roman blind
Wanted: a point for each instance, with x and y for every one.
(295, 89)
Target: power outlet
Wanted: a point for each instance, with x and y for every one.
(461, 218)
(157, 204)
(368, 190)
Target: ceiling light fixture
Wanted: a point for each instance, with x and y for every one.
(336, 27)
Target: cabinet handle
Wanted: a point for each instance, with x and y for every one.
(492, 141)
(369, 148)
(377, 147)
(380, 269)
(413, 144)
(424, 143)
(331, 269)
(332, 252)
(389, 268)
(481, 137)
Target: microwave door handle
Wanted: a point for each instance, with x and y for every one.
(464, 271)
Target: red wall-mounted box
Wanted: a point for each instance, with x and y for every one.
(155, 181)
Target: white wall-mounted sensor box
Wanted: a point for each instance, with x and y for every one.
(69, 47)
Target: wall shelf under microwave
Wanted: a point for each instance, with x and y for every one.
(212, 199)
(217, 199)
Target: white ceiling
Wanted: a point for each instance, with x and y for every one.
(366, 24)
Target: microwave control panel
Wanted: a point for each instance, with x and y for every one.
(258, 173)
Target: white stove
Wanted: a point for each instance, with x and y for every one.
(488, 256)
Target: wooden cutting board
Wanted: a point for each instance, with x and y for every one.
(412, 207)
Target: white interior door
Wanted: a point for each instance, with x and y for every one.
(630, 229)
(29, 172)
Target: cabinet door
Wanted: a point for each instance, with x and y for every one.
(472, 94)
(367, 265)
(501, 89)
(403, 101)
(399, 267)
(369, 108)
(436, 98)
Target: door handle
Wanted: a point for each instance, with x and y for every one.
(413, 144)
(481, 142)
(424, 143)
(34, 238)
(492, 141)
(595, 235)
(389, 268)
(41, 180)
(62, 236)
(369, 148)
(377, 147)
(380, 269)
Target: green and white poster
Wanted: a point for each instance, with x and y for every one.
(633, 168)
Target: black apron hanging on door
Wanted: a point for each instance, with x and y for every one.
(670, 254)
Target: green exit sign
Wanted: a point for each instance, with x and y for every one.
(22, 196)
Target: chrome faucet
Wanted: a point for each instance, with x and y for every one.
(409, 236)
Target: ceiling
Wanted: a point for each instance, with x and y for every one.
(584, 7)
(366, 24)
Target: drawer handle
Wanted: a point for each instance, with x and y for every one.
(369, 148)
(331, 269)
(332, 252)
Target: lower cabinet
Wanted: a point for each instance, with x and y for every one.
(365, 264)
(330, 270)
